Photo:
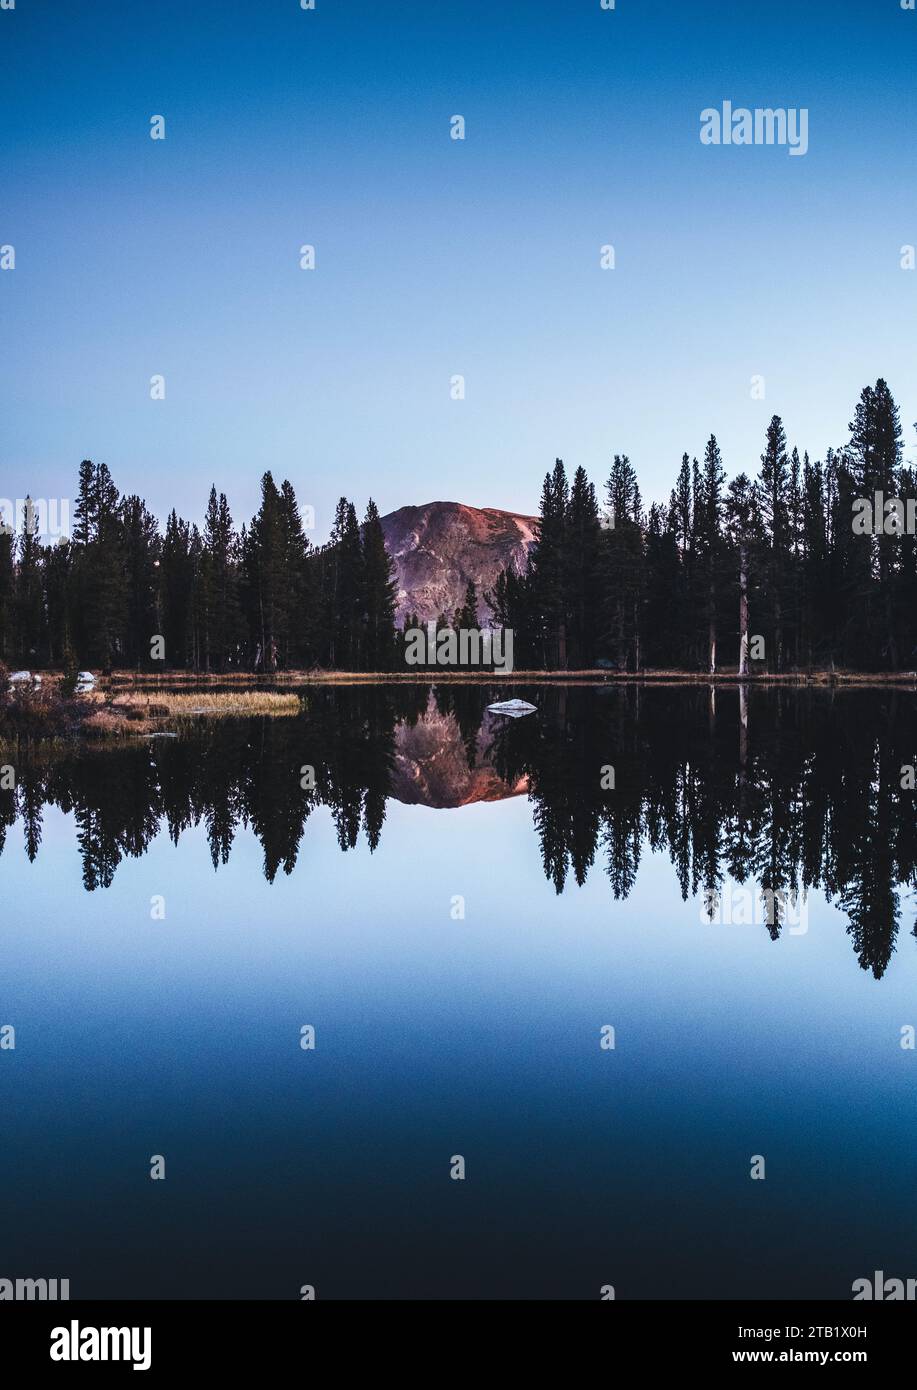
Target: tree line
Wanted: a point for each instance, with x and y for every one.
(761, 573)
(119, 592)
(767, 572)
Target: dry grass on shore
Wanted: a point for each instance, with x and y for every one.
(181, 704)
(135, 713)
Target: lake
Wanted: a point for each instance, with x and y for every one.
(616, 956)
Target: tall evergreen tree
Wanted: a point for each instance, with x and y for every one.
(875, 456)
(773, 493)
(709, 540)
(341, 586)
(297, 607)
(466, 615)
(582, 545)
(223, 632)
(548, 568)
(623, 563)
(56, 578)
(100, 608)
(141, 566)
(662, 642)
(813, 562)
(742, 520)
(176, 592)
(379, 594)
(29, 608)
(851, 585)
(683, 597)
(273, 553)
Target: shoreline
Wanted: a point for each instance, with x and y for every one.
(143, 704)
(433, 676)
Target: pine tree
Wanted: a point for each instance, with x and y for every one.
(296, 608)
(875, 457)
(141, 572)
(198, 612)
(99, 610)
(851, 578)
(907, 579)
(176, 590)
(663, 581)
(793, 579)
(623, 574)
(742, 521)
(379, 594)
(343, 592)
(683, 597)
(29, 607)
(223, 632)
(548, 566)
(512, 602)
(582, 539)
(709, 540)
(57, 573)
(813, 563)
(270, 571)
(466, 615)
(351, 591)
(84, 512)
(773, 492)
(681, 507)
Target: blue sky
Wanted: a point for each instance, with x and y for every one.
(438, 257)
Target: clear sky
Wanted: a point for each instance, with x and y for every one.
(437, 257)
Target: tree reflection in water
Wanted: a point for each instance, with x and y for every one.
(789, 789)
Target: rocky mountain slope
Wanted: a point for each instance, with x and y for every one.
(439, 547)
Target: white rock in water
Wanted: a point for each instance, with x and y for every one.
(513, 708)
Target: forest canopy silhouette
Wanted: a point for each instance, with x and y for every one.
(765, 572)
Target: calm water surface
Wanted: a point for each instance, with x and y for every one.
(339, 906)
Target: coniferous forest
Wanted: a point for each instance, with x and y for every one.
(122, 593)
(773, 557)
(765, 572)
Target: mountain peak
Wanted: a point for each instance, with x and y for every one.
(439, 546)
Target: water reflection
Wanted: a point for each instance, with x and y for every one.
(787, 790)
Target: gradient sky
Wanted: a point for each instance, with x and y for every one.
(435, 256)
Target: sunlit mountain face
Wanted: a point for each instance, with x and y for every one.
(438, 548)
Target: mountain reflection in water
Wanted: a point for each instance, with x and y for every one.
(785, 789)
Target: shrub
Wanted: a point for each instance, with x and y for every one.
(37, 712)
(68, 681)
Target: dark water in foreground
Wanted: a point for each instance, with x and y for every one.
(459, 906)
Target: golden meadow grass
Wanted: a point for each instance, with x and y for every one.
(177, 704)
